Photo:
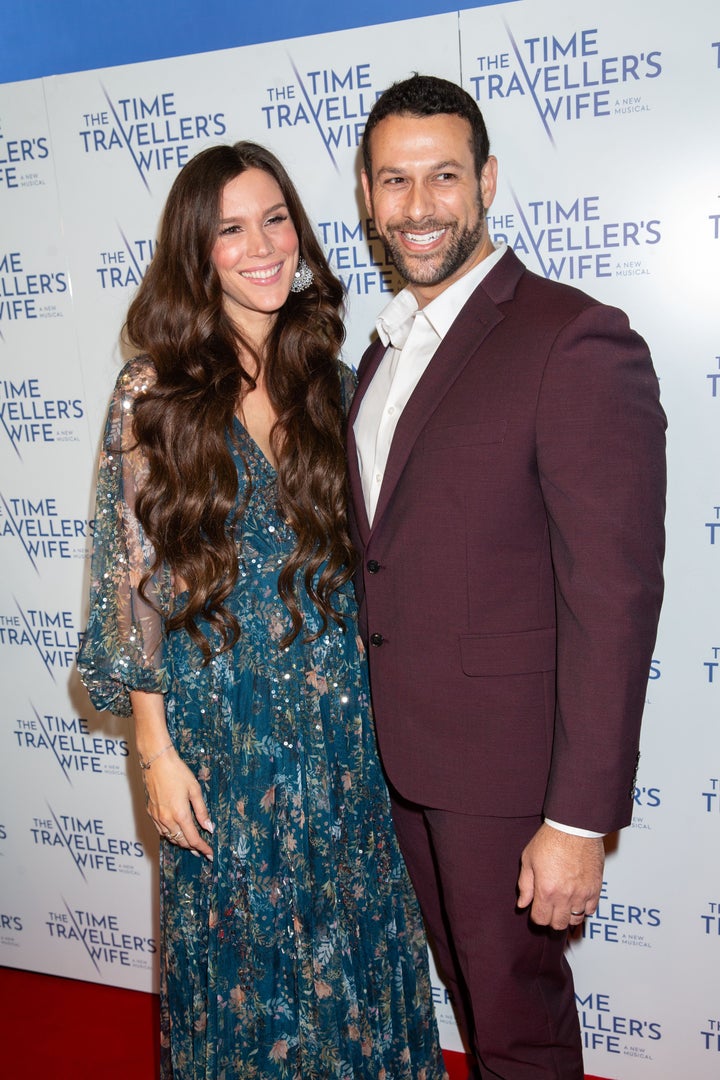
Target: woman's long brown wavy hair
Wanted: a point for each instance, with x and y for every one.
(177, 318)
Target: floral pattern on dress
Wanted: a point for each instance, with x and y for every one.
(299, 952)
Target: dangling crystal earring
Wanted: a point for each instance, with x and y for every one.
(302, 278)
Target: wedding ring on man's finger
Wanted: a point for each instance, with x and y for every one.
(577, 914)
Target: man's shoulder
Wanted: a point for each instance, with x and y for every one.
(512, 281)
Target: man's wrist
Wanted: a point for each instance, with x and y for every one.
(573, 830)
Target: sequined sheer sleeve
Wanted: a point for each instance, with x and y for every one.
(348, 385)
(123, 645)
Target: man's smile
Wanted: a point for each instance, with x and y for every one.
(423, 237)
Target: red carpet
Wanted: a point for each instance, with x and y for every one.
(68, 1030)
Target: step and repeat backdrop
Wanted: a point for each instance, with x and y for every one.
(604, 119)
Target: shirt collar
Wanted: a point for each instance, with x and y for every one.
(395, 320)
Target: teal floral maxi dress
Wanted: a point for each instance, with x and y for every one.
(299, 952)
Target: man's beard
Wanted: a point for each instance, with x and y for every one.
(420, 269)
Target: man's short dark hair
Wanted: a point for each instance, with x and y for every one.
(427, 95)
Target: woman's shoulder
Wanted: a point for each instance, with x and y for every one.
(136, 377)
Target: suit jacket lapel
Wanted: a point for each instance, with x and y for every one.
(468, 332)
(368, 366)
(477, 319)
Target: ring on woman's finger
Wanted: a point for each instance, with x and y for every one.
(177, 836)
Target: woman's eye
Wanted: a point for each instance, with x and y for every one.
(229, 230)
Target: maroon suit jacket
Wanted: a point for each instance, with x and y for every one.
(511, 582)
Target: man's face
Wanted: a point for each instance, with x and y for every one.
(426, 199)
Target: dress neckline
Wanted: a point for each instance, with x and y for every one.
(257, 452)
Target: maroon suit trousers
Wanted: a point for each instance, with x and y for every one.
(509, 978)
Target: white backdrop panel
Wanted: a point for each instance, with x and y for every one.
(603, 118)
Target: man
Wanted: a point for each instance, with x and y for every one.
(506, 449)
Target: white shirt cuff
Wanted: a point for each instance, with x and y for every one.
(573, 830)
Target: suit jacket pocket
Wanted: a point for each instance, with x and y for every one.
(508, 654)
(445, 438)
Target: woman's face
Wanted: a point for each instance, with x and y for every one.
(256, 252)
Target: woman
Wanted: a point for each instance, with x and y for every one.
(222, 618)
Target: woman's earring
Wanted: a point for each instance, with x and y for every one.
(302, 278)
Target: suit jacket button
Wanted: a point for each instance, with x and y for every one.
(373, 566)
(376, 639)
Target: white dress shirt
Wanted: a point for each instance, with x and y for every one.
(411, 335)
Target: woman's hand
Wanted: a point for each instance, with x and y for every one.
(172, 793)
(175, 803)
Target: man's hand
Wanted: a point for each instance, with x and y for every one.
(561, 876)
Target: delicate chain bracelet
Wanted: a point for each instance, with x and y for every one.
(148, 763)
